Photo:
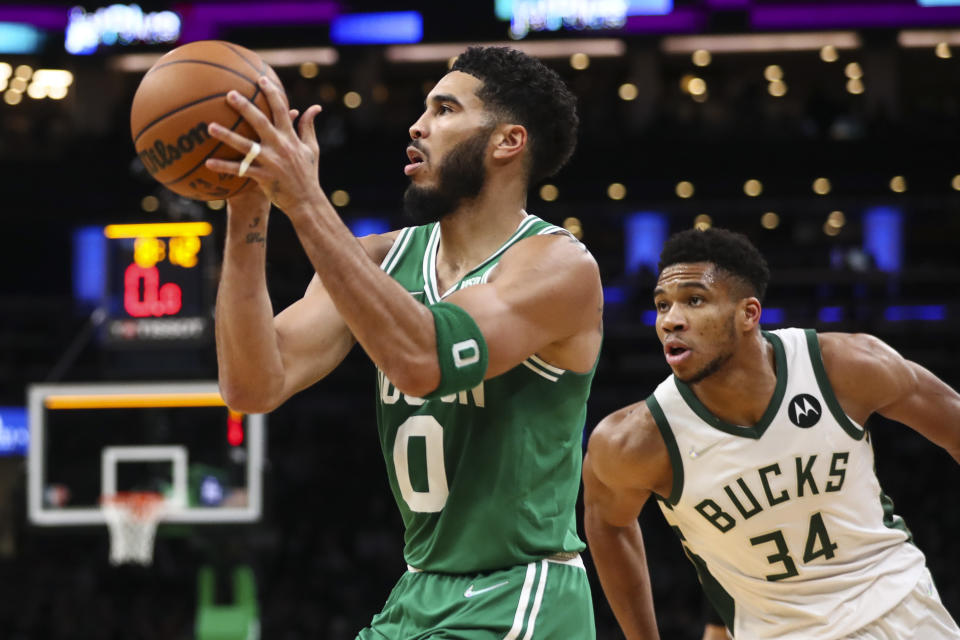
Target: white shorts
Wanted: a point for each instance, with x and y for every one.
(921, 615)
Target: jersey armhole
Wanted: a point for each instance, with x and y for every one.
(676, 490)
(390, 260)
(826, 389)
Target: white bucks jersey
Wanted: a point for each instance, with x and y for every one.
(785, 521)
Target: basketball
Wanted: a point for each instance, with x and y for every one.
(182, 93)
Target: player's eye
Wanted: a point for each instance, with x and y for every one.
(695, 301)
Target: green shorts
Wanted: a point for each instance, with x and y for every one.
(544, 600)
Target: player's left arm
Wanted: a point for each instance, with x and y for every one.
(869, 376)
(544, 297)
(538, 299)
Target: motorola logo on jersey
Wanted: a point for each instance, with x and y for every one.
(804, 410)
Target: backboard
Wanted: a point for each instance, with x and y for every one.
(179, 439)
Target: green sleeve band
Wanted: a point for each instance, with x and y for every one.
(461, 350)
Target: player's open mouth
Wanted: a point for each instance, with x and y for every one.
(416, 158)
(676, 353)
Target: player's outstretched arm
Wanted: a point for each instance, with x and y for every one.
(623, 462)
(262, 360)
(397, 332)
(870, 376)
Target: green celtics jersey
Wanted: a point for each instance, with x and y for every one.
(484, 478)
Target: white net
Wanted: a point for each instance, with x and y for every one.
(132, 520)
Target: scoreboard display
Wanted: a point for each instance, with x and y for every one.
(160, 282)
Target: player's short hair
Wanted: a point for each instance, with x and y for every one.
(519, 88)
(729, 251)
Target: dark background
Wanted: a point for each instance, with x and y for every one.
(328, 549)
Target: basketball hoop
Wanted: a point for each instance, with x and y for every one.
(132, 518)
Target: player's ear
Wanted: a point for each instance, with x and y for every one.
(509, 141)
(750, 311)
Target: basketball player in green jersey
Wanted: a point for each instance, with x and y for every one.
(756, 451)
(484, 323)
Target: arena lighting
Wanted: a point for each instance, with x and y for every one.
(574, 226)
(158, 230)
(549, 193)
(118, 24)
(909, 38)
(551, 15)
(770, 220)
(390, 27)
(923, 312)
(614, 295)
(321, 56)
(772, 315)
(14, 431)
(761, 42)
(883, 237)
(19, 38)
(596, 48)
(644, 235)
(753, 187)
(773, 73)
(89, 265)
(830, 314)
(133, 401)
(352, 99)
(367, 226)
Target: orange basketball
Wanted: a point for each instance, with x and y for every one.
(178, 97)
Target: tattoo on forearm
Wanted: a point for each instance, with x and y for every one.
(255, 237)
(255, 223)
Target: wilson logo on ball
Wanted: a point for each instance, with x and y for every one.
(163, 154)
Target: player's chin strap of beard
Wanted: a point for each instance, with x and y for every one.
(249, 158)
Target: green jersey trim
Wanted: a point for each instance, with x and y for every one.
(722, 601)
(816, 358)
(392, 258)
(676, 490)
(756, 431)
(430, 257)
(892, 520)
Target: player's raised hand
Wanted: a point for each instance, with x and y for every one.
(283, 163)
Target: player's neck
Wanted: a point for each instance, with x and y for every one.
(740, 392)
(478, 228)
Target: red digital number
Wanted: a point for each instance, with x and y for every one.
(155, 300)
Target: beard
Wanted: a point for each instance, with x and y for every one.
(717, 363)
(461, 177)
(712, 367)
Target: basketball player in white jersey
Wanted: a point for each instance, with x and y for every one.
(756, 452)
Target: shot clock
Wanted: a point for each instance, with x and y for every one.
(159, 282)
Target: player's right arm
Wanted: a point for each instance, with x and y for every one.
(898, 388)
(262, 360)
(626, 461)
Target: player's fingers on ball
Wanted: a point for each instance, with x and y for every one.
(233, 168)
(278, 103)
(230, 138)
(222, 166)
(257, 119)
(293, 114)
